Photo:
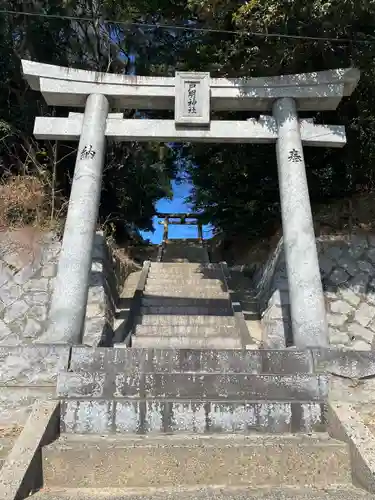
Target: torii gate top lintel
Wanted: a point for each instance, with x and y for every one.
(316, 91)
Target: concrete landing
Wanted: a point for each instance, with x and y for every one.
(209, 493)
(94, 462)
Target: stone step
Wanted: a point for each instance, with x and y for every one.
(200, 267)
(182, 319)
(131, 361)
(250, 305)
(179, 259)
(183, 241)
(186, 292)
(177, 342)
(253, 461)
(200, 385)
(166, 265)
(161, 281)
(185, 246)
(185, 331)
(186, 311)
(6, 443)
(193, 256)
(184, 252)
(212, 492)
(196, 282)
(187, 254)
(171, 416)
(185, 274)
(220, 303)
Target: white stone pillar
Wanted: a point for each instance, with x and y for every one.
(309, 322)
(69, 299)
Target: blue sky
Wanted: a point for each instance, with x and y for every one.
(176, 205)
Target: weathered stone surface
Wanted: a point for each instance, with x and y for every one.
(361, 345)
(49, 270)
(4, 330)
(31, 365)
(341, 307)
(205, 386)
(371, 255)
(25, 295)
(186, 331)
(37, 298)
(347, 363)
(181, 319)
(326, 264)
(364, 314)
(95, 331)
(335, 250)
(32, 328)
(121, 416)
(365, 266)
(336, 319)
(168, 360)
(359, 332)
(38, 312)
(37, 285)
(285, 361)
(338, 337)
(191, 360)
(16, 402)
(276, 332)
(358, 284)
(15, 311)
(358, 244)
(178, 342)
(350, 297)
(95, 309)
(279, 298)
(370, 297)
(339, 276)
(349, 265)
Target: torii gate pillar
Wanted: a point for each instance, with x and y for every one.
(69, 298)
(306, 296)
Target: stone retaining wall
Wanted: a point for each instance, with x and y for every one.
(26, 289)
(347, 265)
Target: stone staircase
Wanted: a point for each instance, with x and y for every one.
(188, 413)
(186, 306)
(233, 424)
(184, 250)
(186, 302)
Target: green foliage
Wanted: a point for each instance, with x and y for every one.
(236, 185)
(135, 177)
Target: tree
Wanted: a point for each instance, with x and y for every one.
(237, 185)
(136, 176)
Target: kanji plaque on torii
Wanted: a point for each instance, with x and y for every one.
(192, 99)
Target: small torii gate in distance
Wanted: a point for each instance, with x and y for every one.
(188, 219)
(192, 96)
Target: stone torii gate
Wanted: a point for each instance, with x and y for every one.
(193, 96)
(188, 219)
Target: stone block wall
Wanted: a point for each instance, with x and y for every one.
(26, 287)
(347, 264)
